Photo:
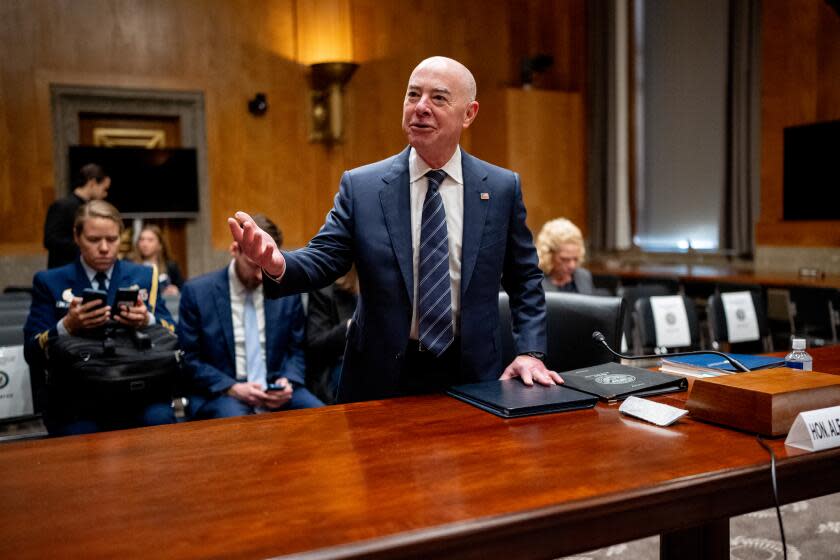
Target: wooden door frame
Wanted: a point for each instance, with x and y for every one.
(68, 101)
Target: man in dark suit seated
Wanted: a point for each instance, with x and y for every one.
(243, 352)
(57, 310)
(91, 184)
(433, 232)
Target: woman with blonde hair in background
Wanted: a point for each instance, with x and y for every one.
(152, 249)
(561, 251)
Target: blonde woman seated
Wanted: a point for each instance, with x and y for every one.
(561, 250)
(152, 249)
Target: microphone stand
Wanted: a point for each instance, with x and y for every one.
(598, 338)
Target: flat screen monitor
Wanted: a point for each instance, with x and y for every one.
(812, 172)
(146, 183)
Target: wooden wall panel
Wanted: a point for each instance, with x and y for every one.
(231, 49)
(800, 84)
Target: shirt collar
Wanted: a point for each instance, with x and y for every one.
(418, 168)
(90, 272)
(236, 285)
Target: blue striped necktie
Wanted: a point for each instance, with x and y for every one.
(434, 297)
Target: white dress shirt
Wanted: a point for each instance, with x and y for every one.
(237, 312)
(452, 192)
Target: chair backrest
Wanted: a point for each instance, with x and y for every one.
(570, 321)
(631, 294)
(15, 303)
(644, 326)
(719, 329)
(816, 313)
(13, 317)
(11, 335)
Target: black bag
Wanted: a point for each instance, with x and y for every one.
(116, 363)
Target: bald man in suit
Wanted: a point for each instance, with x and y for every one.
(420, 327)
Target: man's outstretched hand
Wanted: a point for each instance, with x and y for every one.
(256, 244)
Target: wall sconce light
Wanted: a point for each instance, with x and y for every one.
(325, 100)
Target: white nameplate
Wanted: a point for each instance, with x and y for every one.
(15, 388)
(670, 321)
(741, 322)
(650, 411)
(814, 430)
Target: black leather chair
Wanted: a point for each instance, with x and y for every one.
(570, 321)
(719, 332)
(816, 314)
(633, 293)
(644, 327)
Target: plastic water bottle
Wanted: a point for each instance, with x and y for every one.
(798, 357)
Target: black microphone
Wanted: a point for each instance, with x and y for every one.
(597, 338)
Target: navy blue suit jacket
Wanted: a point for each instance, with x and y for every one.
(370, 224)
(205, 330)
(53, 289)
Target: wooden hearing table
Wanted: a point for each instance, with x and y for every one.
(706, 273)
(425, 477)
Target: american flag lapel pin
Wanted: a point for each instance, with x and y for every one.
(485, 196)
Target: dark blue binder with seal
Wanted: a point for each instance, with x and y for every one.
(513, 399)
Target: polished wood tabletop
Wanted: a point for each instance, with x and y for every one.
(713, 274)
(421, 477)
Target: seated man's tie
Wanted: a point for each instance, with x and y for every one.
(100, 281)
(254, 358)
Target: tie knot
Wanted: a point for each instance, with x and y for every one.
(100, 279)
(436, 177)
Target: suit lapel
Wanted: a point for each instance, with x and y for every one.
(222, 302)
(475, 214)
(81, 282)
(396, 207)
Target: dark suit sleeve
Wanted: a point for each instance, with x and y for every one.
(41, 322)
(522, 280)
(201, 376)
(174, 272)
(327, 257)
(326, 333)
(58, 232)
(293, 366)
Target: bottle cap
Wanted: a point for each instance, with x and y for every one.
(798, 344)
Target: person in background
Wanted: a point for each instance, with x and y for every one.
(329, 313)
(91, 183)
(238, 343)
(57, 310)
(561, 251)
(152, 249)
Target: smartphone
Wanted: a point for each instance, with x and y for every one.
(126, 297)
(89, 294)
(275, 387)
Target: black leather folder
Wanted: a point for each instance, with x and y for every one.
(512, 398)
(615, 382)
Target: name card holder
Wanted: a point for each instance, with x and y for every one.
(764, 401)
(815, 430)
